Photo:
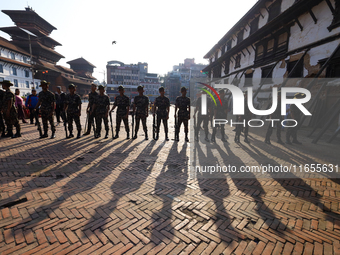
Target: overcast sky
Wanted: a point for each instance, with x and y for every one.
(161, 33)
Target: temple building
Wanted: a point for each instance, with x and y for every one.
(32, 34)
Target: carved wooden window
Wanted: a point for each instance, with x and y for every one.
(270, 46)
(229, 45)
(283, 40)
(274, 10)
(238, 61)
(254, 26)
(240, 36)
(298, 72)
(259, 51)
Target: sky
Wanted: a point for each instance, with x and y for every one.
(161, 33)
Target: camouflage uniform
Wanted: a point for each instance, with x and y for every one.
(102, 103)
(220, 114)
(246, 117)
(73, 102)
(2, 126)
(182, 103)
(13, 114)
(275, 115)
(46, 99)
(92, 97)
(292, 131)
(122, 102)
(202, 118)
(142, 103)
(162, 103)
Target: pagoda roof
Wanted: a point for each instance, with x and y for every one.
(16, 31)
(65, 69)
(80, 61)
(9, 45)
(27, 17)
(14, 62)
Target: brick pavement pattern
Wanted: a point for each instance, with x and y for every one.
(97, 196)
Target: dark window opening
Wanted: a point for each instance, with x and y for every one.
(229, 45)
(240, 36)
(1, 69)
(333, 71)
(259, 52)
(216, 55)
(238, 61)
(223, 49)
(248, 79)
(297, 72)
(27, 74)
(267, 75)
(254, 26)
(274, 10)
(226, 66)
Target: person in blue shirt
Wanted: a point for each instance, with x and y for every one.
(31, 103)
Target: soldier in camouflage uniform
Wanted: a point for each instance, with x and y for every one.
(123, 104)
(183, 106)
(92, 96)
(295, 114)
(9, 110)
(142, 103)
(162, 104)
(73, 107)
(244, 119)
(47, 106)
(101, 107)
(202, 118)
(276, 115)
(2, 125)
(220, 112)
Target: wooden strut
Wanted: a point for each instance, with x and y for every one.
(299, 24)
(248, 51)
(285, 81)
(312, 83)
(330, 6)
(313, 16)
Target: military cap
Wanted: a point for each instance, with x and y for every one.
(71, 86)
(161, 89)
(7, 82)
(140, 87)
(43, 82)
(299, 95)
(58, 87)
(101, 87)
(94, 84)
(183, 89)
(120, 87)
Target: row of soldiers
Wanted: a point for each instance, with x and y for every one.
(98, 111)
(220, 111)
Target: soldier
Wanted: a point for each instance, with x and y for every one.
(142, 112)
(202, 118)
(277, 116)
(73, 107)
(47, 103)
(244, 119)
(162, 104)
(2, 125)
(92, 95)
(101, 107)
(183, 104)
(9, 110)
(296, 115)
(60, 99)
(123, 104)
(220, 112)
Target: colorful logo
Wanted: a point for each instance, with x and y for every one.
(208, 92)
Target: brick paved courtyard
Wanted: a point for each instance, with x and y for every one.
(97, 196)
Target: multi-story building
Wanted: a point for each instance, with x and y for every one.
(15, 66)
(33, 32)
(277, 39)
(151, 85)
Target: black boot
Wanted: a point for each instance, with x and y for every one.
(156, 138)
(166, 137)
(223, 139)
(267, 141)
(70, 135)
(296, 141)
(87, 132)
(135, 136)
(207, 139)
(186, 138)
(280, 141)
(106, 134)
(78, 135)
(44, 135)
(53, 135)
(3, 134)
(246, 140)
(116, 136)
(18, 134)
(146, 136)
(213, 140)
(127, 136)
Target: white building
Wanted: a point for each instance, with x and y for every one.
(15, 66)
(273, 37)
